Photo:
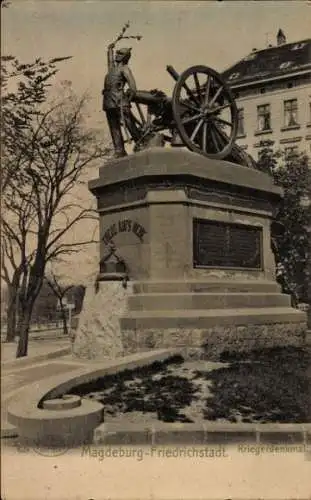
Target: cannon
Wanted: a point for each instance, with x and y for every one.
(201, 114)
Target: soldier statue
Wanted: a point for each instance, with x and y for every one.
(176, 120)
(116, 102)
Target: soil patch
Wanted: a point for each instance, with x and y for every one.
(264, 386)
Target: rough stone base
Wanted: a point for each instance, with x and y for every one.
(99, 334)
(214, 341)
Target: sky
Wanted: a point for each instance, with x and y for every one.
(185, 33)
(181, 33)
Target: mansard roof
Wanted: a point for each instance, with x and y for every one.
(272, 62)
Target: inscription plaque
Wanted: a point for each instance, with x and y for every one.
(222, 244)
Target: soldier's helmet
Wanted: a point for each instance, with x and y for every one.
(123, 54)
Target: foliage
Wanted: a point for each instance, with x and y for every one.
(148, 389)
(267, 158)
(268, 385)
(24, 88)
(46, 148)
(122, 35)
(293, 174)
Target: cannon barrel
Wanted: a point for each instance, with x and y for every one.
(172, 72)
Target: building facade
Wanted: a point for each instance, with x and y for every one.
(272, 88)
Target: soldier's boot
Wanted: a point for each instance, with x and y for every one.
(176, 139)
(113, 118)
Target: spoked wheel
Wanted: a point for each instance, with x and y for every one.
(136, 124)
(205, 113)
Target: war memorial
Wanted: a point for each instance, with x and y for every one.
(184, 227)
(186, 265)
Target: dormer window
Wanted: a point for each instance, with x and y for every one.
(298, 46)
(233, 76)
(286, 64)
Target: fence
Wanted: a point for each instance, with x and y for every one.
(49, 329)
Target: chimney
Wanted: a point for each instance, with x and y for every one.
(280, 37)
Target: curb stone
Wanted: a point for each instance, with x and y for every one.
(210, 433)
(161, 432)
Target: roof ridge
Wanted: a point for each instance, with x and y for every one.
(280, 46)
(287, 57)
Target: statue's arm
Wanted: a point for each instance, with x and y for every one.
(110, 56)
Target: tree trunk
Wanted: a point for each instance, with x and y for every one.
(12, 313)
(23, 327)
(64, 319)
(11, 321)
(308, 275)
(28, 295)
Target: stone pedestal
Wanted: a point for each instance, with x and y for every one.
(99, 333)
(158, 210)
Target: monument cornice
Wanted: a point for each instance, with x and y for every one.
(160, 166)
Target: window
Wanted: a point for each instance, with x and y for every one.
(298, 46)
(286, 64)
(233, 76)
(291, 151)
(241, 130)
(263, 117)
(290, 113)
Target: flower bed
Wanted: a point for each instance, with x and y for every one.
(270, 385)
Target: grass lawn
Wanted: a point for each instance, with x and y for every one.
(264, 386)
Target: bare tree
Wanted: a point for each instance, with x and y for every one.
(60, 291)
(12, 280)
(40, 208)
(24, 88)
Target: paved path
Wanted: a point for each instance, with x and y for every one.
(35, 348)
(16, 376)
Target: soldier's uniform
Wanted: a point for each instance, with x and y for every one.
(115, 102)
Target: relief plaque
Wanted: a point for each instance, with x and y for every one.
(228, 245)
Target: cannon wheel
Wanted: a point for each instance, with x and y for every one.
(205, 113)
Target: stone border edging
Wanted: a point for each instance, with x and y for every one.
(162, 433)
(24, 412)
(34, 423)
(28, 360)
(67, 402)
(8, 430)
